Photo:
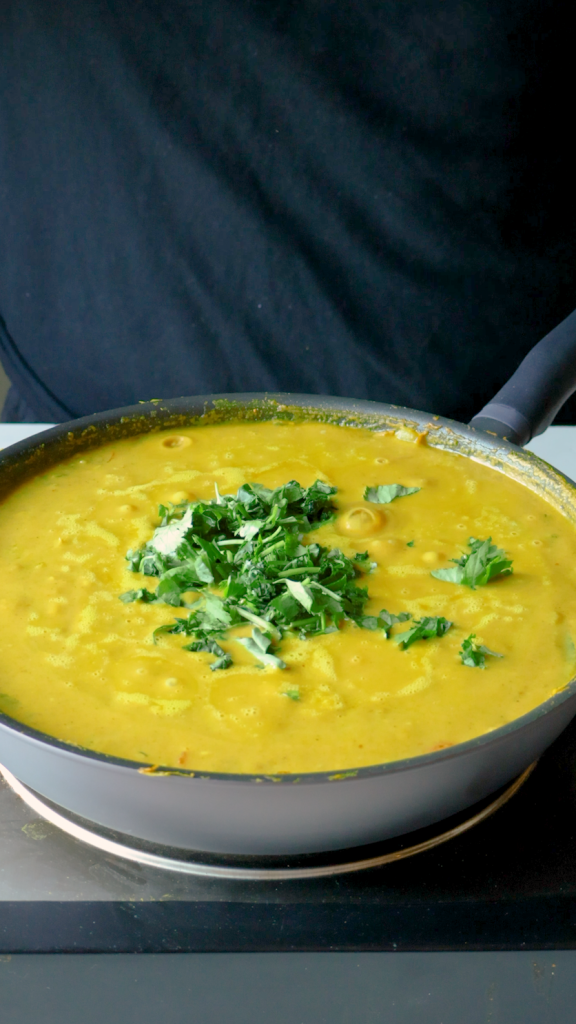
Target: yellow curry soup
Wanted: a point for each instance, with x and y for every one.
(81, 665)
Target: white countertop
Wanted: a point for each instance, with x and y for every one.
(557, 444)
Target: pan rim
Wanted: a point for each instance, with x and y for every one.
(302, 778)
(85, 428)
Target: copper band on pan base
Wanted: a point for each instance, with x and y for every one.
(241, 872)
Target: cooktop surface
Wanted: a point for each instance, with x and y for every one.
(507, 883)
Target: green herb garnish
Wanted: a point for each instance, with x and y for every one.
(409, 543)
(423, 629)
(386, 493)
(385, 620)
(223, 658)
(483, 563)
(248, 548)
(258, 645)
(293, 693)
(474, 654)
(138, 595)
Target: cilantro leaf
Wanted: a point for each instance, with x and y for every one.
(257, 620)
(293, 693)
(452, 575)
(483, 563)
(167, 538)
(302, 594)
(385, 493)
(213, 614)
(146, 596)
(474, 654)
(258, 645)
(423, 629)
(223, 659)
(364, 562)
(385, 620)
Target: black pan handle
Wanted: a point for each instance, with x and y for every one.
(529, 401)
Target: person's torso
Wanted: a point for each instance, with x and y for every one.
(362, 198)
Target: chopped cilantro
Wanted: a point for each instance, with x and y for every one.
(386, 493)
(224, 661)
(223, 658)
(138, 595)
(363, 562)
(423, 629)
(258, 645)
(385, 620)
(483, 563)
(474, 654)
(293, 693)
(248, 550)
(409, 543)
(243, 558)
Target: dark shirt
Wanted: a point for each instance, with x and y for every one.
(368, 198)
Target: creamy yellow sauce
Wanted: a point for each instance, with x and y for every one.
(80, 665)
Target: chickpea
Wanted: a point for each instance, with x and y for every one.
(361, 521)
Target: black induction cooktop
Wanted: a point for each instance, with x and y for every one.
(508, 883)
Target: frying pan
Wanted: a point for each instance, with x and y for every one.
(245, 814)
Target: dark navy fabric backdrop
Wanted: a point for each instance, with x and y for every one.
(369, 198)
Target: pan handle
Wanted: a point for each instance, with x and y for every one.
(529, 401)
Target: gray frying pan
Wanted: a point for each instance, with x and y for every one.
(242, 814)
